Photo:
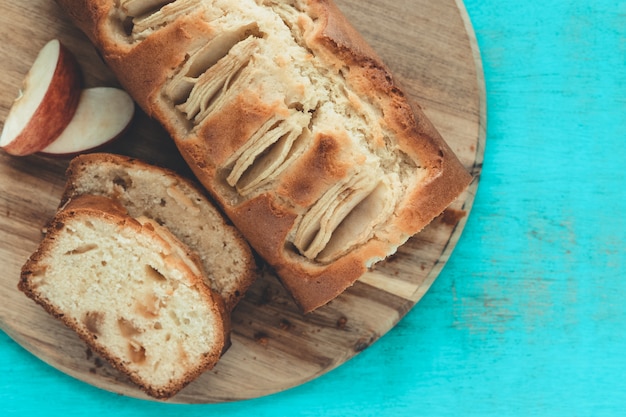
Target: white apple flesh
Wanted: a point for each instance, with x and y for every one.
(47, 102)
(102, 116)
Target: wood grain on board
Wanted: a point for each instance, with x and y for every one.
(431, 50)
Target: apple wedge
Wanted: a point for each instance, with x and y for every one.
(46, 103)
(103, 115)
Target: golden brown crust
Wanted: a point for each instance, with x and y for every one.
(267, 219)
(221, 134)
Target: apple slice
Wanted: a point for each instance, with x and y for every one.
(103, 114)
(46, 103)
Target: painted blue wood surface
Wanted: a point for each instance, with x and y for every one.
(529, 316)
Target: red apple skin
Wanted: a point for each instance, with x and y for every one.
(55, 110)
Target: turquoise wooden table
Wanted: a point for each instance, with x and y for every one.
(528, 316)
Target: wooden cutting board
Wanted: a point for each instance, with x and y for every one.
(431, 49)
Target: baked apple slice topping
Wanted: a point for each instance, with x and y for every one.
(47, 101)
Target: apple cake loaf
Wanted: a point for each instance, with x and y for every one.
(176, 203)
(132, 291)
(290, 120)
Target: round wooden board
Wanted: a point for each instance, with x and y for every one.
(430, 47)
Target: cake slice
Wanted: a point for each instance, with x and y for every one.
(132, 291)
(176, 203)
